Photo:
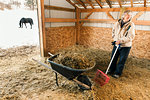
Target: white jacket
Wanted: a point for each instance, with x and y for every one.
(124, 35)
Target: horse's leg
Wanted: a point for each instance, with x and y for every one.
(31, 25)
(25, 25)
(21, 25)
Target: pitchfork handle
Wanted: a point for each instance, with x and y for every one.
(112, 59)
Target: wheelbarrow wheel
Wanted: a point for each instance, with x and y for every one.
(84, 79)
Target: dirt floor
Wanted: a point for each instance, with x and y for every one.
(21, 78)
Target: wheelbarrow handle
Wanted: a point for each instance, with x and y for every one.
(45, 65)
(80, 83)
(50, 54)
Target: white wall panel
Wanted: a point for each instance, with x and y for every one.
(61, 3)
(103, 15)
(61, 14)
(58, 14)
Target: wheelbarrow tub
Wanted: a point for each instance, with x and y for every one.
(66, 71)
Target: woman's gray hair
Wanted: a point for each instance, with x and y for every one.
(127, 12)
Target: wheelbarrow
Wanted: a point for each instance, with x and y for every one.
(70, 73)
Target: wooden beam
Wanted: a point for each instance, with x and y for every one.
(137, 15)
(98, 20)
(80, 2)
(49, 7)
(40, 28)
(87, 17)
(144, 3)
(109, 15)
(136, 22)
(99, 3)
(72, 3)
(108, 2)
(141, 22)
(43, 36)
(116, 9)
(78, 14)
(90, 4)
(131, 3)
(59, 20)
(119, 3)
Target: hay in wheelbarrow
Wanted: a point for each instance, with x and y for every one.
(75, 59)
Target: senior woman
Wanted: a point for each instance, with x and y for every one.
(123, 33)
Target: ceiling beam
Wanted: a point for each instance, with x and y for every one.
(108, 2)
(49, 7)
(72, 3)
(90, 4)
(131, 3)
(119, 3)
(116, 9)
(80, 2)
(99, 3)
(144, 3)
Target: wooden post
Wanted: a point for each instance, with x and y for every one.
(41, 19)
(77, 25)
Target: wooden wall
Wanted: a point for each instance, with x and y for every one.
(101, 38)
(59, 37)
(96, 37)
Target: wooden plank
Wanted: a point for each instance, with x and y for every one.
(87, 17)
(141, 22)
(43, 37)
(144, 3)
(138, 15)
(109, 15)
(90, 4)
(98, 20)
(136, 22)
(99, 3)
(49, 7)
(80, 2)
(108, 2)
(78, 25)
(78, 14)
(131, 3)
(72, 3)
(119, 3)
(60, 20)
(116, 9)
(40, 28)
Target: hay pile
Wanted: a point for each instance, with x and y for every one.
(86, 56)
(75, 57)
(23, 79)
(80, 57)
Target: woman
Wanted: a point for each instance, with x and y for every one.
(123, 33)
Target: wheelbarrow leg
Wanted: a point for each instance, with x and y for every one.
(56, 79)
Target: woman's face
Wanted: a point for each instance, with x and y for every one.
(127, 17)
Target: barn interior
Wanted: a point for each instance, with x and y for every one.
(84, 27)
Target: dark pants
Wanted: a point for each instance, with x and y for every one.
(123, 53)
